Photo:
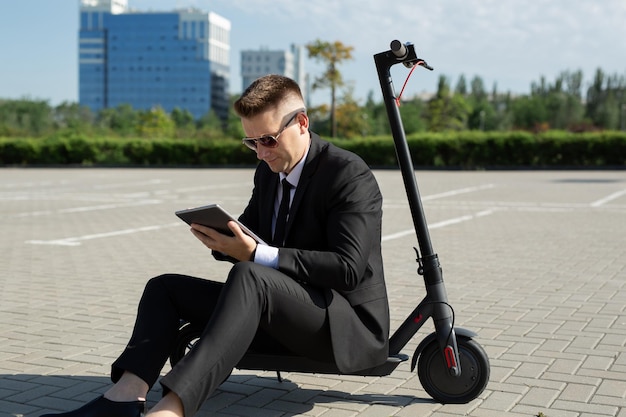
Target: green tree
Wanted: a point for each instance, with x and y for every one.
(501, 104)
(184, 122)
(25, 117)
(411, 112)
(482, 114)
(331, 54)
(155, 123)
(461, 86)
(529, 112)
(210, 126)
(573, 107)
(376, 116)
(73, 117)
(556, 105)
(320, 118)
(122, 119)
(477, 89)
(233, 122)
(182, 118)
(447, 111)
(595, 96)
(605, 100)
(351, 118)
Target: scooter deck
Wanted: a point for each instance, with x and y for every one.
(285, 363)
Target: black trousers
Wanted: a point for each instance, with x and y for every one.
(256, 306)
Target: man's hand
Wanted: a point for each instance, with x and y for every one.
(240, 246)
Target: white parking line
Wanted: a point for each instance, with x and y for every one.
(439, 225)
(131, 184)
(87, 208)
(76, 241)
(453, 193)
(608, 198)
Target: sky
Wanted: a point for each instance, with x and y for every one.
(509, 43)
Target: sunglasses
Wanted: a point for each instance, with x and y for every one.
(270, 141)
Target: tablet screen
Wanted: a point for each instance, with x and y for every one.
(215, 217)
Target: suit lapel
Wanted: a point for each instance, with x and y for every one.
(310, 167)
(267, 205)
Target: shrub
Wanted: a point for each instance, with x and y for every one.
(465, 149)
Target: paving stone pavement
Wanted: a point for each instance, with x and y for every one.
(534, 262)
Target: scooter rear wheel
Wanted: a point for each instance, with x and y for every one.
(188, 335)
(445, 388)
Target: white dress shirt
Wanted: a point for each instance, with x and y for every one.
(265, 254)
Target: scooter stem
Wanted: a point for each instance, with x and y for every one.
(384, 61)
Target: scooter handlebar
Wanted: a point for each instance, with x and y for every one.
(398, 49)
(405, 53)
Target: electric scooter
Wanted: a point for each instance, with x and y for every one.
(452, 367)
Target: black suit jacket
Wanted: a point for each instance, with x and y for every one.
(332, 241)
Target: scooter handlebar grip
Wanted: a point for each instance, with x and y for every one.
(398, 48)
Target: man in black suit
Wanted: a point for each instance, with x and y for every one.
(317, 291)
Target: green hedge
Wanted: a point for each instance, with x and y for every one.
(474, 150)
(78, 150)
(469, 150)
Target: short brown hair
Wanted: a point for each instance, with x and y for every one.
(264, 93)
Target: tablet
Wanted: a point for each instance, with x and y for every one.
(215, 217)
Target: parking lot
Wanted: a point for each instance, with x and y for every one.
(534, 262)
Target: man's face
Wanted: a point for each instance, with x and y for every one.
(291, 133)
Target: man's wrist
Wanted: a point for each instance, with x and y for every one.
(266, 255)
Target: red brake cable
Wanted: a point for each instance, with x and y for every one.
(418, 63)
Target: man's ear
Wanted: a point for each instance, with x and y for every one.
(303, 121)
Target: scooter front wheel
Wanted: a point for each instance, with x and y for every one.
(445, 388)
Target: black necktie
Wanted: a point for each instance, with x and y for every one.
(283, 212)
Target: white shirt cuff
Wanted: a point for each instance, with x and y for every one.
(266, 255)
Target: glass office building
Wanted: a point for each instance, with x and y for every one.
(148, 59)
(257, 63)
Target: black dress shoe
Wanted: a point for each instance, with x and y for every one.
(102, 407)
